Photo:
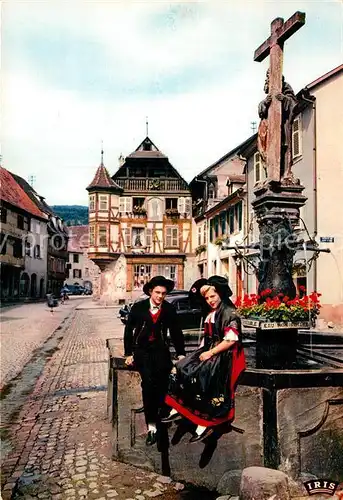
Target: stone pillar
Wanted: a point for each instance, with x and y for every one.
(277, 208)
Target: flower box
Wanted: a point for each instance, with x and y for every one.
(270, 311)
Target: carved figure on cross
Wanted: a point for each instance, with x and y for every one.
(277, 110)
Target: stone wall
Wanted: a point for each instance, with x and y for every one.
(308, 430)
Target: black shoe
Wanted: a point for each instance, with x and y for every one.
(199, 437)
(151, 438)
(171, 418)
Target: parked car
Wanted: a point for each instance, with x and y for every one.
(189, 314)
(75, 290)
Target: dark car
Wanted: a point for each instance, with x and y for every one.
(189, 314)
(75, 290)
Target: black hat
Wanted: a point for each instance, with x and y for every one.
(194, 292)
(218, 282)
(158, 281)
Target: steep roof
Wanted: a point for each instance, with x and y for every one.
(103, 180)
(12, 193)
(78, 238)
(141, 157)
(147, 149)
(33, 195)
(325, 77)
(233, 151)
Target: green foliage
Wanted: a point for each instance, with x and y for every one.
(199, 249)
(73, 215)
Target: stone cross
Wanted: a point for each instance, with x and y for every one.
(273, 46)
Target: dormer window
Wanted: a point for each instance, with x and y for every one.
(147, 146)
(211, 192)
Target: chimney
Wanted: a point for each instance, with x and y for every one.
(121, 160)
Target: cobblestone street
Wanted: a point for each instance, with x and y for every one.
(57, 444)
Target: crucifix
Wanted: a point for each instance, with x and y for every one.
(273, 46)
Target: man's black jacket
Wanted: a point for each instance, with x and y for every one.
(140, 325)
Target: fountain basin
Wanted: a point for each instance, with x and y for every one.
(293, 419)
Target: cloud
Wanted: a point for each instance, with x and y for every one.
(76, 73)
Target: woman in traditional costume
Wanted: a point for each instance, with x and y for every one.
(202, 389)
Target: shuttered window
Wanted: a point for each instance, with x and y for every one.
(296, 138)
(149, 237)
(257, 167)
(127, 236)
(172, 237)
(125, 204)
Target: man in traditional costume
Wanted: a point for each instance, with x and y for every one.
(146, 347)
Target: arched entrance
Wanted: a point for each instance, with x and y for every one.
(41, 288)
(33, 291)
(24, 285)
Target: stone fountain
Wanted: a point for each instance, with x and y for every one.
(290, 399)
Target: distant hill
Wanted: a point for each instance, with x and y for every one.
(73, 215)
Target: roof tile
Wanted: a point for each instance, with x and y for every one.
(102, 179)
(12, 193)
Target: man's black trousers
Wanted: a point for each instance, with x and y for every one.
(154, 365)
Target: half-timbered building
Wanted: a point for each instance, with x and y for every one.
(140, 223)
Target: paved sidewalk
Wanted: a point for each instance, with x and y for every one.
(61, 437)
(23, 329)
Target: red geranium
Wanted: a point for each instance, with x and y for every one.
(280, 307)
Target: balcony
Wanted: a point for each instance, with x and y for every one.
(172, 213)
(156, 184)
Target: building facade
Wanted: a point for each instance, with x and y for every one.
(220, 215)
(23, 243)
(140, 224)
(80, 269)
(318, 163)
(57, 239)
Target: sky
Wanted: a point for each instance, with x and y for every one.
(79, 74)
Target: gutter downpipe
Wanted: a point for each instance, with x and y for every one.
(315, 183)
(196, 178)
(247, 211)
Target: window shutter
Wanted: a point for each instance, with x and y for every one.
(296, 138)
(223, 223)
(232, 220)
(205, 233)
(199, 234)
(121, 204)
(216, 226)
(175, 237)
(188, 206)
(181, 205)
(240, 216)
(149, 237)
(257, 167)
(125, 204)
(211, 230)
